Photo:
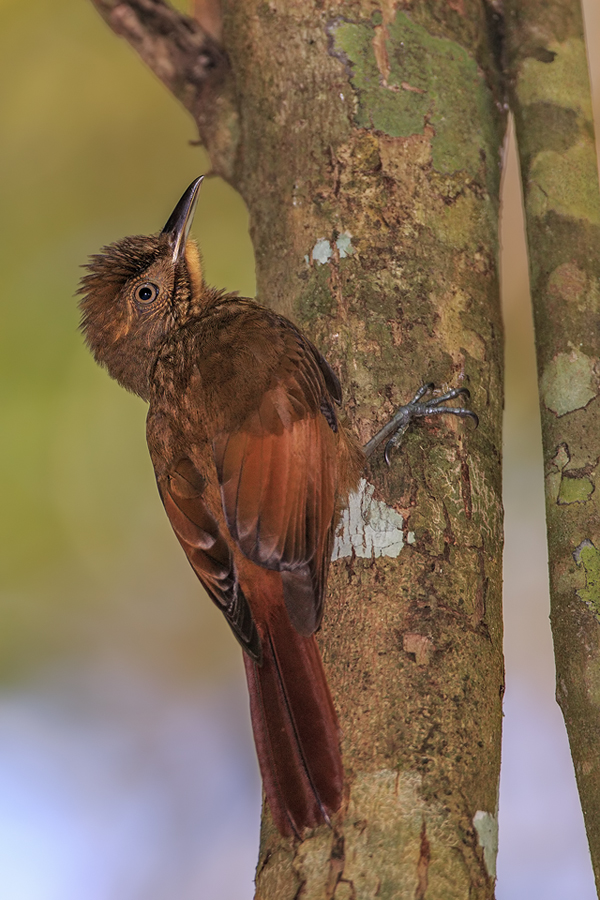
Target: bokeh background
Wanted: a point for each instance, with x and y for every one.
(127, 769)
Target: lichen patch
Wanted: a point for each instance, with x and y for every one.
(568, 382)
(322, 251)
(574, 489)
(568, 282)
(486, 826)
(564, 81)
(368, 528)
(395, 848)
(400, 91)
(563, 183)
(588, 557)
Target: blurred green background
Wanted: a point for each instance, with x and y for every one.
(93, 148)
(103, 633)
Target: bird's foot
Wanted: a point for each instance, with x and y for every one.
(417, 408)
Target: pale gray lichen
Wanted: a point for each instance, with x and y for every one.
(486, 826)
(344, 245)
(322, 251)
(368, 527)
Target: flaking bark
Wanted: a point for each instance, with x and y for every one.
(550, 96)
(366, 145)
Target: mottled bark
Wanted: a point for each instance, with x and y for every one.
(366, 144)
(550, 96)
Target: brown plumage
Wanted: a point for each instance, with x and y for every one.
(253, 467)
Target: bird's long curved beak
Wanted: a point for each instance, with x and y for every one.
(180, 220)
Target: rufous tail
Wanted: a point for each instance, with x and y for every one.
(295, 728)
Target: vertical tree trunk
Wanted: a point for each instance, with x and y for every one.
(551, 100)
(366, 145)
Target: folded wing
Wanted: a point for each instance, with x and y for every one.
(278, 477)
(182, 491)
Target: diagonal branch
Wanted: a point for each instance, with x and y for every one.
(189, 62)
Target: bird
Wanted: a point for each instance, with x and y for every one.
(253, 466)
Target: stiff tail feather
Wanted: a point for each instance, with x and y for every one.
(295, 728)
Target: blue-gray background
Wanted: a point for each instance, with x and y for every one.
(127, 770)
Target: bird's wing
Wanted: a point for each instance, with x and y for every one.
(182, 491)
(278, 477)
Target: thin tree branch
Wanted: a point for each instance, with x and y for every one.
(175, 47)
(189, 62)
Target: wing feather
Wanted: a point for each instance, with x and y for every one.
(268, 394)
(278, 475)
(198, 532)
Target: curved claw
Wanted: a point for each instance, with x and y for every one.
(387, 451)
(395, 429)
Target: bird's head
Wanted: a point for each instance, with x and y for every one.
(137, 290)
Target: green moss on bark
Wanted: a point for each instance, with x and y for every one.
(419, 81)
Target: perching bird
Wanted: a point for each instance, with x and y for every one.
(253, 467)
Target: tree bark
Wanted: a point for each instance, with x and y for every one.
(366, 145)
(551, 100)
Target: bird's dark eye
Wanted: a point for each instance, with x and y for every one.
(146, 293)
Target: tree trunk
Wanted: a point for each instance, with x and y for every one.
(367, 148)
(551, 100)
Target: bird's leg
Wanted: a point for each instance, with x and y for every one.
(417, 408)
